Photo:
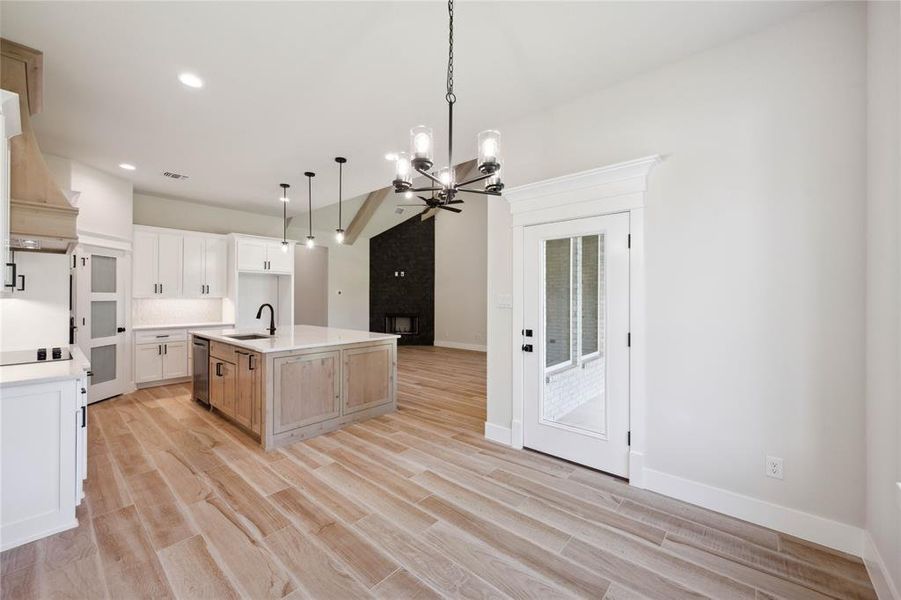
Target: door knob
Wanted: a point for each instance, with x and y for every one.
(120, 329)
(527, 347)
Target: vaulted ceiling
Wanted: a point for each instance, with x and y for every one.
(290, 85)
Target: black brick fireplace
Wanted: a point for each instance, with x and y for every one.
(402, 281)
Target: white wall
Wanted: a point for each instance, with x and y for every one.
(461, 275)
(104, 205)
(310, 285)
(883, 345)
(754, 255)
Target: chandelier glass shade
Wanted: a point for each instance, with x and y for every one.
(421, 158)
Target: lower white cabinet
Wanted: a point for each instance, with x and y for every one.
(161, 355)
(158, 361)
(42, 449)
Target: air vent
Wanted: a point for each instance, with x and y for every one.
(172, 175)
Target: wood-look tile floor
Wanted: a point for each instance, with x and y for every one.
(411, 505)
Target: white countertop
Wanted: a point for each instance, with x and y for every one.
(300, 337)
(180, 326)
(57, 370)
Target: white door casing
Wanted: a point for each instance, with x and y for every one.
(616, 188)
(576, 386)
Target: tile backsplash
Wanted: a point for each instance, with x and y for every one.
(161, 311)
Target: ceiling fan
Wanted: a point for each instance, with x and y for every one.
(432, 205)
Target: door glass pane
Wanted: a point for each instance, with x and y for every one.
(575, 370)
(103, 318)
(591, 280)
(103, 273)
(103, 363)
(557, 301)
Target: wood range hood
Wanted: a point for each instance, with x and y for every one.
(41, 217)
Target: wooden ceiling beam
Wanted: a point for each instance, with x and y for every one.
(361, 219)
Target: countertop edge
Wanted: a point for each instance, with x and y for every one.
(182, 325)
(248, 345)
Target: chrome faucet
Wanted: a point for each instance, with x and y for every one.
(271, 317)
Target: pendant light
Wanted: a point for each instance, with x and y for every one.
(339, 233)
(421, 157)
(285, 201)
(311, 241)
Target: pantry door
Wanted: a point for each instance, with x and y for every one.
(576, 341)
(100, 317)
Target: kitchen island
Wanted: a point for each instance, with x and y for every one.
(300, 382)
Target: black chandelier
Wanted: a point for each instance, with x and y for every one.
(443, 186)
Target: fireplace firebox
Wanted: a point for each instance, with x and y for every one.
(402, 324)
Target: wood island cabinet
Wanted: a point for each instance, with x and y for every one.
(235, 385)
(283, 396)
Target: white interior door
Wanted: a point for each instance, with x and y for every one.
(102, 282)
(576, 361)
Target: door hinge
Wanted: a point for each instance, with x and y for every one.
(628, 438)
(629, 339)
(629, 241)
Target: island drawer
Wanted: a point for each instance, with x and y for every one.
(222, 351)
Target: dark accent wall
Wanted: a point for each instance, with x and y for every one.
(407, 247)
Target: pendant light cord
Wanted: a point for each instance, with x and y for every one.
(450, 96)
(340, 180)
(310, 201)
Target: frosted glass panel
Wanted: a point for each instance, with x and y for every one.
(103, 363)
(103, 318)
(557, 301)
(103, 273)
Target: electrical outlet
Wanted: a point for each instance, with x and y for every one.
(774, 467)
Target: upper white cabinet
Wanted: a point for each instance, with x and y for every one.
(264, 256)
(157, 264)
(205, 260)
(178, 264)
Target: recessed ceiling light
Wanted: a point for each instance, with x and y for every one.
(127, 167)
(190, 80)
(391, 156)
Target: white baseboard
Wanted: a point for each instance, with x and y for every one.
(636, 469)
(461, 346)
(496, 433)
(821, 530)
(879, 575)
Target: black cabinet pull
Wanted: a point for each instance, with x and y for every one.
(218, 369)
(251, 363)
(14, 276)
(84, 417)
(165, 348)
(21, 287)
(161, 288)
(159, 349)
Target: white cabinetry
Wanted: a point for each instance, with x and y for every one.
(204, 266)
(41, 449)
(169, 263)
(157, 264)
(161, 354)
(258, 255)
(164, 354)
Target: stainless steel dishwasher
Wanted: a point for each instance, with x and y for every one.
(201, 350)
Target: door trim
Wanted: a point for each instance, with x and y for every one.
(613, 189)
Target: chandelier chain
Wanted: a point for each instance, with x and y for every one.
(450, 97)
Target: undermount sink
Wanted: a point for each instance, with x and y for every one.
(248, 336)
